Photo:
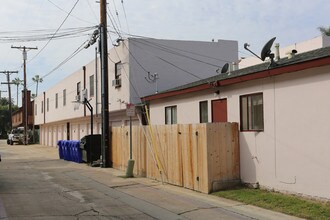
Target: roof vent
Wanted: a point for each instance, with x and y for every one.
(292, 53)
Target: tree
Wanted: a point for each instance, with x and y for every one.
(37, 79)
(5, 117)
(17, 82)
(324, 30)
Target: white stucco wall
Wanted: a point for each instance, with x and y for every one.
(292, 153)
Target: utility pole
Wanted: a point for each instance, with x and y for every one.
(24, 50)
(8, 73)
(106, 148)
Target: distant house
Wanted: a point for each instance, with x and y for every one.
(283, 114)
(137, 67)
(18, 116)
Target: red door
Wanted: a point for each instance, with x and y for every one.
(219, 110)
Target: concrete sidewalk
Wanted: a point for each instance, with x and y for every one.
(160, 201)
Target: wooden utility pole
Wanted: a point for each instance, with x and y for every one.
(106, 142)
(24, 50)
(8, 73)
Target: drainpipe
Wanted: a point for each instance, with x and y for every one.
(84, 70)
(96, 84)
(44, 107)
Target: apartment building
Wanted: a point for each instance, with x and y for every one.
(137, 67)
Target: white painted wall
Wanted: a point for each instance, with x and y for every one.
(292, 153)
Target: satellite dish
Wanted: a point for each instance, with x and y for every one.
(265, 52)
(225, 68)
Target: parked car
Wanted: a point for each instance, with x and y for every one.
(16, 136)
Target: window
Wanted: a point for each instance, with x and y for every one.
(170, 115)
(56, 100)
(252, 113)
(78, 90)
(203, 112)
(47, 104)
(118, 68)
(42, 107)
(91, 85)
(64, 97)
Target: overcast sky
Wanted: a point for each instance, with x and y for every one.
(252, 21)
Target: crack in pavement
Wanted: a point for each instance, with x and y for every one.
(197, 209)
(90, 210)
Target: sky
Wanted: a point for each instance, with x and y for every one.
(25, 22)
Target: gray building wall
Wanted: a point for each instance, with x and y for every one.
(176, 62)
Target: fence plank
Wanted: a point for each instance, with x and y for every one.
(187, 155)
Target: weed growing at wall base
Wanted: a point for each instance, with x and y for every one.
(288, 204)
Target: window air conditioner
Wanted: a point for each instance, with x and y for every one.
(116, 82)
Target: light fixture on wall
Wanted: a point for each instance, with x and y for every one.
(216, 93)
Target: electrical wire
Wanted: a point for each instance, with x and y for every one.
(170, 63)
(41, 35)
(122, 3)
(55, 31)
(117, 13)
(92, 11)
(68, 12)
(78, 50)
(172, 50)
(113, 22)
(126, 74)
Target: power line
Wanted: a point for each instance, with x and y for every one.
(170, 63)
(92, 11)
(122, 3)
(117, 13)
(56, 31)
(113, 22)
(78, 50)
(40, 35)
(174, 50)
(126, 74)
(68, 12)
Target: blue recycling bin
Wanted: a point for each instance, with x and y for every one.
(70, 150)
(60, 149)
(76, 151)
(73, 151)
(66, 150)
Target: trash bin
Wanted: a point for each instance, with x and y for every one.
(60, 149)
(76, 151)
(66, 150)
(90, 146)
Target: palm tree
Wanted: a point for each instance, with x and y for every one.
(17, 82)
(37, 79)
(324, 30)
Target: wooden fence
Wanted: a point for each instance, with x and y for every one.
(202, 157)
